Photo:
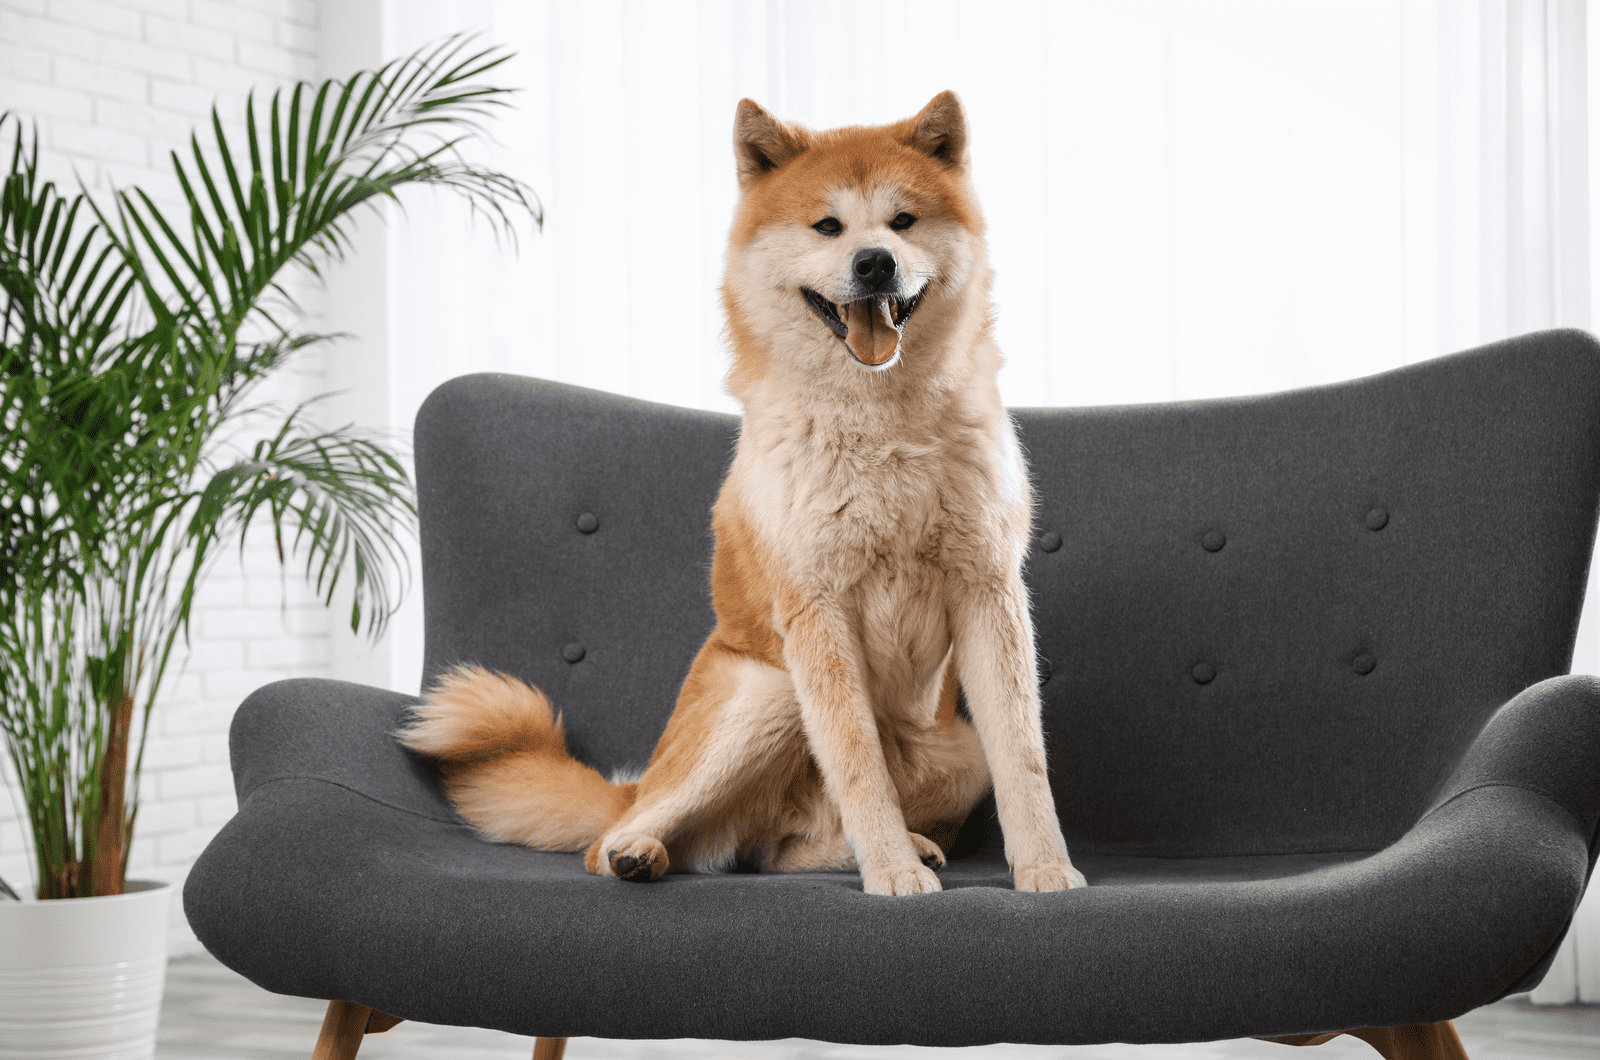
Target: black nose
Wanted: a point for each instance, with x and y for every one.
(874, 269)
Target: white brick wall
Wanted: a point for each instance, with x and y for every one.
(115, 85)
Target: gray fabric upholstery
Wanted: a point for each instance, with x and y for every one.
(1316, 759)
(505, 466)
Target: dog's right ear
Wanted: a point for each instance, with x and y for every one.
(762, 143)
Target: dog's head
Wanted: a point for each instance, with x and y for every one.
(853, 248)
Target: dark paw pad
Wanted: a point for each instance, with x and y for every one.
(630, 868)
(933, 861)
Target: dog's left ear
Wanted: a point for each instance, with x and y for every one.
(940, 130)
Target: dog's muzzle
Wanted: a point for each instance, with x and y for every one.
(870, 327)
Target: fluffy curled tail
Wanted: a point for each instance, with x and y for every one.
(506, 764)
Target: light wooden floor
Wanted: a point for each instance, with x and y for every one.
(212, 1014)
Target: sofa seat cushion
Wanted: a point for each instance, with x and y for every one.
(346, 876)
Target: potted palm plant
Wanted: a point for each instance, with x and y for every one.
(131, 345)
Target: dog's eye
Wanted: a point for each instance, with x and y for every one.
(902, 221)
(829, 226)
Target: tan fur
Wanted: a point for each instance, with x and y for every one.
(869, 542)
(506, 766)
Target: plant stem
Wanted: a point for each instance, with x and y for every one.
(111, 832)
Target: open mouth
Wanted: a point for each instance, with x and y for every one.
(870, 327)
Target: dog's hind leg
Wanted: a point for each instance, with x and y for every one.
(830, 851)
(735, 719)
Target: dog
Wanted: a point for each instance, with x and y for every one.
(869, 541)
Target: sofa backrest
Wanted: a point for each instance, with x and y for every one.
(603, 616)
(1271, 623)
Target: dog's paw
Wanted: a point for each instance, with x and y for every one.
(634, 856)
(928, 851)
(1051, 876)
(911, 878)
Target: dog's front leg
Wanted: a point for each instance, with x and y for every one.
(823, 658)
(994, 653)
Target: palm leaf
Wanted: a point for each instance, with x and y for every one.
(63, 281)
(311, 171)
(123, 362)
(338, 490)
(65, 286)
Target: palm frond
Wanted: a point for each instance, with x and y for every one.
(63, 280)
(129, 343)
(314, 159)
(345, 498)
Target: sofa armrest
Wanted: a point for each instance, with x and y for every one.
(336, 732)
(1545, 740)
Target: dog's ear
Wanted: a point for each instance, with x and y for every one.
(940, 130)
(762, 143)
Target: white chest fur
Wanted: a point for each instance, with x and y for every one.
(886, 523)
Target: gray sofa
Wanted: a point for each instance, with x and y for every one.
(1306, 718)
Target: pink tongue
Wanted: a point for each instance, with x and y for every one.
(872, 336)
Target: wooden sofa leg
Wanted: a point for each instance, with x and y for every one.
(1425, 1041)
(549, 1048)
(343, 1027)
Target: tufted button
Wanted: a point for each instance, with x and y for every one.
(573, 653)
(1049, 540)
(588, 523)
(1203, 673)
(1363, 664)
(1045, 670)
(1377, 519)
(1213, 541)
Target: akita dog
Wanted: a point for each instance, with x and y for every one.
(869, 543)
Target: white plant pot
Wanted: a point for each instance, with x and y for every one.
(81, 978)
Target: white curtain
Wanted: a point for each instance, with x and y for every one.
(1186, 198)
